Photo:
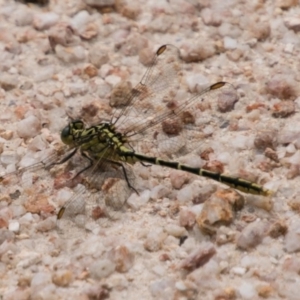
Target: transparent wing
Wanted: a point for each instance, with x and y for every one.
(161, 77)
(153, 117)
(179, 124)
(54, 158)
(98, 202)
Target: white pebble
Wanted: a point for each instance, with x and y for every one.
(175, 230)
(247, 290)
(136, 201)
(229, 43)
(238, 270)
(113, 80)
(45, 20)
(14, 226)
(102, 268)
(28, 127)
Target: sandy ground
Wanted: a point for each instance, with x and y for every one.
(182, 236)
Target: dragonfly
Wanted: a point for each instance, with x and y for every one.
(147, 125)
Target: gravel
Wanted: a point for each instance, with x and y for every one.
(181, 236)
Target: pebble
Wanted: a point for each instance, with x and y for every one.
(119, 94)
(219, 210)
(29, 127)
(266, 139)
(113, 80)
(70, 55)
(98, 55)
(282, 87)
(247, 290)
(101, 269)
(163, 288)
(14, 226)
(252, 235)
(46, 225)
(210, 18)
(195, 52)
(227, 100)
(123, 258)
(187, 218)
(286, 4)
(63, 34)
(146, 56)
(292, 238)
(154, 240)
(8, 82)
(26, 259)
(175, 230)
(283, 109)
(62, 278)
(23, 17)
(198, 257)
(136, 201)
(293, 24)
(44, 21)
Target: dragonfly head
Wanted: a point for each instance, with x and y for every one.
(70, 132)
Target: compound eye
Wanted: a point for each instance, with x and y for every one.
(66, 136)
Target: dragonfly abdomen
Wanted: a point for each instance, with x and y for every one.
(234, 182)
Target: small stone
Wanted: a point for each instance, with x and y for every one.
(264, 290)
(8, 82)
(292, 239)
(270, 153)
(187, 218)
(227, 100)
(136, 201)
(44, 21)
(91, 71)
(219, 210)
(277, 229)
(26, 259)
(247, 290)
(178, 178)
(198, 257)
(282, 87)
(119, 94)
(23, 17)
(175, 230)
(101, 268)
(154, 240)
(46, 225)
(146, 56)
(283, 109)
(210, 17)
(64, 35)
(98, 55)
(7, 134)
(14, 226)
(266, 139)
(71, 54)
(252, 235)
(130, 11)
(260, 30)
(38, 204)
(62, 278)
(214, 166)
(28, 127)
(286, 4)
(195, 52)
(162, 288)
(122, 257)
